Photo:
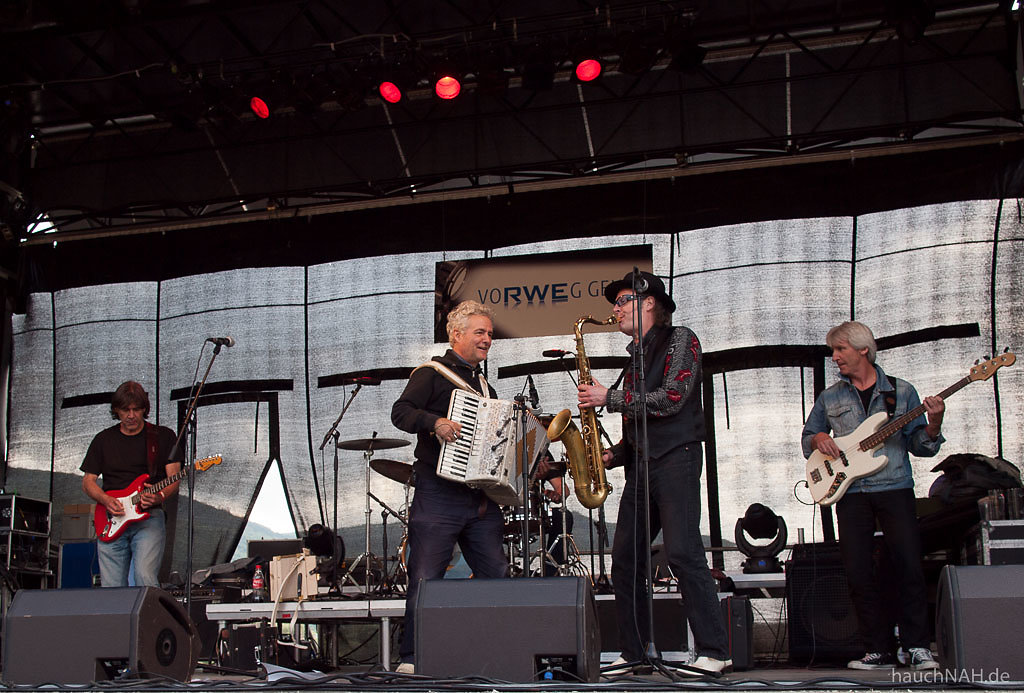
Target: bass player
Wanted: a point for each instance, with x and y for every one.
(885, 498)
(120, 454)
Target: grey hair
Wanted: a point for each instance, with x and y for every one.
(856, 334)
(458, 318)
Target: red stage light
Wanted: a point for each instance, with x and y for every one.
(390, 92)
(447, 87)
(259, 107)
(588, 70)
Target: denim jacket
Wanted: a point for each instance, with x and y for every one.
(839, 411)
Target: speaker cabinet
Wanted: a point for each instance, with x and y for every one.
(521, 630)
(978, 613)
(822, 621)
(739, 624)
(76, 636)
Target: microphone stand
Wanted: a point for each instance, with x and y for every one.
(333, 432)
(641, 452)
(191, 476)
(525, 472)
(642, 456)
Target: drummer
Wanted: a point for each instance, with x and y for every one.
(445, 513)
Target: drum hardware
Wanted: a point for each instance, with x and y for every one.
(366, 557)
(387, 586)
(369, 444)
(394, 470)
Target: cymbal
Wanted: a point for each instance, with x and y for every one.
(393, 469)
(372, 443)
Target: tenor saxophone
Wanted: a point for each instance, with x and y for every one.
(583, 444)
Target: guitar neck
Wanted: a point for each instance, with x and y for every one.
(887, 431)
(178, 476)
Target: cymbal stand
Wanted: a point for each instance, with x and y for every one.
(571, 563)
(386, 586)
(366, 555)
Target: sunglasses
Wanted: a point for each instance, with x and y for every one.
(623, 300)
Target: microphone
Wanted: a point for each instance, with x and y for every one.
(554, 353)
(360, 380)
(534, 399)
(222, 341)
(639, 283)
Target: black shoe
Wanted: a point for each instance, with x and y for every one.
(873, 660)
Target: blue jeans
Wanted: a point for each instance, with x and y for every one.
(675, 511)
(141, 542)
(871, 590)
(438, 520)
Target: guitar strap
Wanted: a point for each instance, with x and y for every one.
(890, 397)
(152, 447)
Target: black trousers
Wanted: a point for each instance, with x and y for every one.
(901, 576)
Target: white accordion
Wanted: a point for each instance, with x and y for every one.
(490, 448)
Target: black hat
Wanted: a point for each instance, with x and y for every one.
(655, 287)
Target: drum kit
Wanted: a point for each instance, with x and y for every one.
(549, 525)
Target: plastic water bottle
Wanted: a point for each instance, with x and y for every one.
(258, 585)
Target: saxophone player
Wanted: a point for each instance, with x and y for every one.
(675, 430)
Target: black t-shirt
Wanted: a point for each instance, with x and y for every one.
(121, 459)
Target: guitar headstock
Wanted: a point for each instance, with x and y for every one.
(984, 371)
(207, 462)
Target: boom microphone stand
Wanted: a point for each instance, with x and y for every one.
(333, 432)
(191, 476)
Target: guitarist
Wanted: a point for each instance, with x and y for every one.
(885, 498)
(120, 454)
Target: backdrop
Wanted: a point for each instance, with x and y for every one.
(771, 284)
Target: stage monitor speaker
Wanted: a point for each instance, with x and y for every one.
(822, 621)
(77, 636)
(522, 630)
(978, 615)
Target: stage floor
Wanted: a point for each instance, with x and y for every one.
(777, 677)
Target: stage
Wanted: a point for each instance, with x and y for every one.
(768, 678)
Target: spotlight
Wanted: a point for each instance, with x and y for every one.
(909, 18)
(637, 52)
(586, 61)
(588, 70)
(259, 107)
(329, 549)
(392, 82)
(447, 86)
(447, 79)
(686, 54)
(538, 69)
(761, 523)
(491, 77)
(389, 91)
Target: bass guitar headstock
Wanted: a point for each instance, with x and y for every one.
(984, 371)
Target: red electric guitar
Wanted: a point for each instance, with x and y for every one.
(109, 527)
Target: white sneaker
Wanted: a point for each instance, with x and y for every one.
(710, 665)
(406, 668)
